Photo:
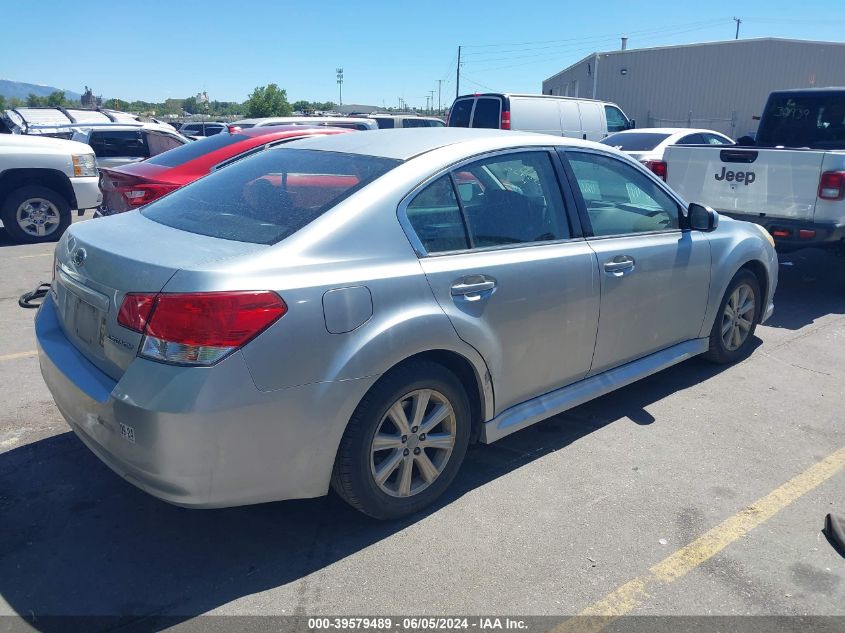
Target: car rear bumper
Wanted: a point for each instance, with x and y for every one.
(795, 234)
(199, 437)
(87, 192)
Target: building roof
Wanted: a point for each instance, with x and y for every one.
(755, 40)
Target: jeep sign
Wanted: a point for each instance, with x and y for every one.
(736, 176)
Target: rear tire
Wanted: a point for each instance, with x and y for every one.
(405, 442)
(737, 318)
(35, 214)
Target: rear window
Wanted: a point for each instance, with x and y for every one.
(184, 153)
(118, 143)
(267, 197)
(487, 114)
(635, 141)
(804, 121)
(460, 112)
(384, 123)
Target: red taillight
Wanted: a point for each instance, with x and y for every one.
(199, 328)
(140, 194)
(780, 233)
(135, 310)
(806, 234)
(506, 120)
(832, 185)
(658, 167)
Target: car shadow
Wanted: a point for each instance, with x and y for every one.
(811, 284)
(77, 540)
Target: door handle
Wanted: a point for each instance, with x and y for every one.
(619, 264)
(462, 289)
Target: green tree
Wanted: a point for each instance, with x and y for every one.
(56, 99)
(34, 101)
(190, 105)
(302, 106)
(268, 101)
(2, 102)
(15, 102)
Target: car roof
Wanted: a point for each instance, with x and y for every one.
(668, 130)
(406, 143)
(301, 119)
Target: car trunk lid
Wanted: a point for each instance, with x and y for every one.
(97, 262)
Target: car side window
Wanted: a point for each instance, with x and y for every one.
(112, 144)
(512, 198)
(712, 139)
(620, 199)
(436, 217)
(616, 121)
(692, 139)
(159, 143)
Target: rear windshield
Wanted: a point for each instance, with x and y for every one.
(459, 114)
(635, 141)
(269, 196)
(189, 151)
(816, 121)
(487, 114)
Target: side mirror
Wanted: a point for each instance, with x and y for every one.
(632, 124)
(746, 141)
(702, 218)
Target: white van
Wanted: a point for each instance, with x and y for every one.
(563, 116)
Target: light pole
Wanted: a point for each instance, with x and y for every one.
(339, 72)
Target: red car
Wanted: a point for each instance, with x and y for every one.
(131, 186)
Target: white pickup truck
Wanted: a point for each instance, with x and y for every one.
(41, 180)
(791, 180)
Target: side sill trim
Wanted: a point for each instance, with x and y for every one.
(532, 411)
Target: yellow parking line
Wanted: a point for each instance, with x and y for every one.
(36, 255)
(18, 355)
(633, 593)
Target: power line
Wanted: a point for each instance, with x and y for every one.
(712, 22)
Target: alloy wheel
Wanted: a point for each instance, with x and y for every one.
(413, 443)
(738, 317)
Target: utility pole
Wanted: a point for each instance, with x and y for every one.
(431, 92)
(439, 85)
(458, 77)
(339, 72)
(738, 22)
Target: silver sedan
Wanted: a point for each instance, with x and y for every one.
(350, 312)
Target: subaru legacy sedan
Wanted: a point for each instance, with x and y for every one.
(349, 312)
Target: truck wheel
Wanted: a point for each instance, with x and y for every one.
(736, 320)
(35, 214)
(404, 443)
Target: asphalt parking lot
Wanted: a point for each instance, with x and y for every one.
(599, 510)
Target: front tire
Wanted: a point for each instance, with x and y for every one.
(35, 214)
(737, 318)
(405, 442)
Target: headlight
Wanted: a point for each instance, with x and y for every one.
(767, 234)
(84, 165)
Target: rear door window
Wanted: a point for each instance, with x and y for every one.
(118, 143)
(414, 123)
(159, 143)
(268, 196)
(460, 113)
(487, 114)
(691, 139)
(436, 218)
(385, 123)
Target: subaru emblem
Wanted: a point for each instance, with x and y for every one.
(79, 256)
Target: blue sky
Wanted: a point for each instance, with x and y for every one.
(157, 49)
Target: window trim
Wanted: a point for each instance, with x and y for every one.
(564, 153)
(570, 205)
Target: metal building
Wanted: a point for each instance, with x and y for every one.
(716, 85)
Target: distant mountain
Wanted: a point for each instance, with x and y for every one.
(20, 90)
